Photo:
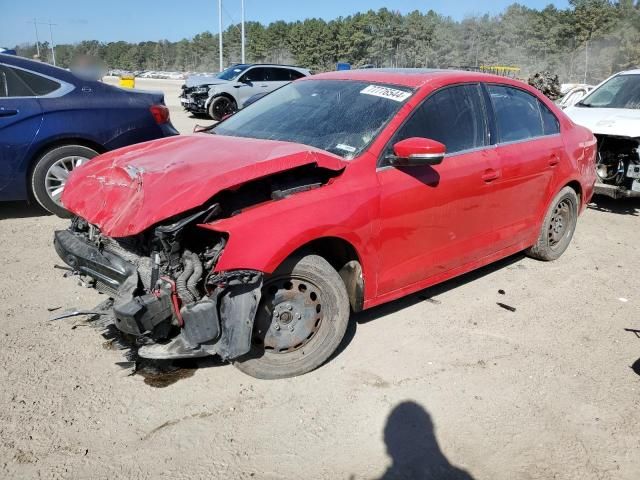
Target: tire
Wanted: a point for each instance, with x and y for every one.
(316, 291)
(558, 226)
(221, 106)
(50, 174)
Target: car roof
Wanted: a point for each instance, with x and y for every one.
(38, 67)
(415, 77)
(631, 72)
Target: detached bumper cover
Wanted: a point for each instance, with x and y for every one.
(89, 260)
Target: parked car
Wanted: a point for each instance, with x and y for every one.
(335, 193)
(228, 91)
(51, 121)
(612, 112)
(574, 95)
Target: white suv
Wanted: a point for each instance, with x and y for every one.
(227, 92)
(612, 112)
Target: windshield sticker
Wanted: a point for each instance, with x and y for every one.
(386, 92)
(346, 148)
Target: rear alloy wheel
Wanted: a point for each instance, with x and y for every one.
(220, 107)
(558, 226)
(301, 320)
(51, 173)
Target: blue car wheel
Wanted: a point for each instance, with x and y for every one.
(51, 173)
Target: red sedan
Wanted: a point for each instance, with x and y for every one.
(334, 194)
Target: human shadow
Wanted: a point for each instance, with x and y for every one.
(621, 206)
(411, 443)
(24, 209)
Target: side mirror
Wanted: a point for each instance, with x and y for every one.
(203, 128)
(417, 151)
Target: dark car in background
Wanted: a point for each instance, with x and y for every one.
(51, 121)
(228, 91)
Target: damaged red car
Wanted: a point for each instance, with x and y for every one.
(334, 194)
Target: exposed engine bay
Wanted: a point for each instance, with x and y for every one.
(618, 166)
(163, 282)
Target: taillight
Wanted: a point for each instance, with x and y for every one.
(160, 113)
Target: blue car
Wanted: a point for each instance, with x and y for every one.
(51, 121)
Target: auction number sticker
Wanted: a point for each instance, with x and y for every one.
(386, 92)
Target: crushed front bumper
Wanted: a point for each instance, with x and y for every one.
(221, 322)
(194, 102)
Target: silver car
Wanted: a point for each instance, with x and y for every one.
(226, 92)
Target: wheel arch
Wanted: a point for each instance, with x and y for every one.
(576, 186)
(220, 94)
(344, 258)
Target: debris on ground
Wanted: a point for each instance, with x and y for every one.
(506, 307)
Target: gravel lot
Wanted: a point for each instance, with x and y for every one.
(441, 384)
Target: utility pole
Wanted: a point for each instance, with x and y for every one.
(242, 27)
(35, 26)
(53, 52)
(586, 60)
(220, 32)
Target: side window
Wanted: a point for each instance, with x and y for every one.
(38, 84)
(11, 85)
(517, 113)
(279, 75)
(453, 116)
(257, 74)
(550, 123)
(295, 75)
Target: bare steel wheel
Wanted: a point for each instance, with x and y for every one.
(301, 320)
(561, 221)
(558, 226)
(51, 172)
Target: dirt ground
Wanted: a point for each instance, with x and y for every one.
(442, 384)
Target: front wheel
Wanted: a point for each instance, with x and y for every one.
(558, 226)
(301, 320)
(51, 172)
(221, 107)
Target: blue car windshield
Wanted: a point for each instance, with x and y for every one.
(232, 73)
(340, 116)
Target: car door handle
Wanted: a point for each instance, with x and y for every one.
(490, 175)
(8, 112)
(554, 160)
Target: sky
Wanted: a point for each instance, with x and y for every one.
(140, 20)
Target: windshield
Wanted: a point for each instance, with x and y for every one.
(339, 116)
(622, 91)
(232, 72)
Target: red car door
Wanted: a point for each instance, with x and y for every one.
(529, 148)
(434, 218)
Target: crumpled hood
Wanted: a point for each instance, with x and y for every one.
(126, 191)
(621, 122)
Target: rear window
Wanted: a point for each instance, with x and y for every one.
(550, 123)
(19, 83)
(517, 113)
(39, 85)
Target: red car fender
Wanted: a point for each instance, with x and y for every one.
(262, 237)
